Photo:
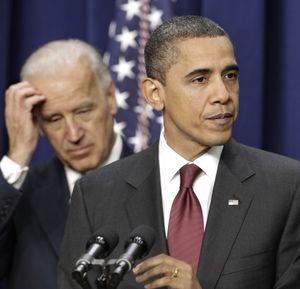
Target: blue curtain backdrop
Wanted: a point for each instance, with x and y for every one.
(265, 34)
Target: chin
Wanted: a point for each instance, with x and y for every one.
(83, 167)
(219, 139)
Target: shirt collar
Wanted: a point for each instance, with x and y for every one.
(72, 176)
(170, 162)
(115, 153)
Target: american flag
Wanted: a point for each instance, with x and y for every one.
(128, 33)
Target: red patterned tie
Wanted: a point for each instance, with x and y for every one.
(185, 231)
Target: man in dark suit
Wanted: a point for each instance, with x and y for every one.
(249, 199)
(67, 94)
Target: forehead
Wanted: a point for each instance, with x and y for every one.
(68, 89)
(205, 51)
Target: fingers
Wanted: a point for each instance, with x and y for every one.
(22, 96)
(163, 270)
(22, 130)
(151, 266)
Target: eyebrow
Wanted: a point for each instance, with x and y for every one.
(198, 71)
(232, 67)
(201, 71)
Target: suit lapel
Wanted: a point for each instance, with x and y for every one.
(225, 217)
(50, 200)
(145, 204)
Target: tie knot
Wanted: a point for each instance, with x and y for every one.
(188, 173)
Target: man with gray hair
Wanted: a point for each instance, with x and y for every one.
(67, 95)
(225, 215)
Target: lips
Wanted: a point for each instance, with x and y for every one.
(221, 120)
(221, 116)
(80, 152)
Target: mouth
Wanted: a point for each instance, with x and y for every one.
(80, 151)
(221, 118)
(221, 115)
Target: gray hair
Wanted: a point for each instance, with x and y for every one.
(56, 55)
(161, 52)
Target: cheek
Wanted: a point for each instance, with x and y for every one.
(236, 104)
(56, 140)
(196, 108)
(195, 99)
(186, 109)
(234, 92)
(101, 129)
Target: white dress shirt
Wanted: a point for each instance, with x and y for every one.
(170, 163)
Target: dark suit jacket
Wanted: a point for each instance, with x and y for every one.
(32, 223)
(254, 245)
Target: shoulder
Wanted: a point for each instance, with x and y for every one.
(134, 164)
(260, 160)
(45, 173)
(45, 167)
(260, 156)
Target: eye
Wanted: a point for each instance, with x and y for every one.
(83, 111)
(53, 118)
(199, 79)
(232, 75)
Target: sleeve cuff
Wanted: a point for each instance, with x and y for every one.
(13, 173)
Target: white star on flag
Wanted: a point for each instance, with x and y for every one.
(124, 69)
(127, 39)
(138, 141)
(155, 17)
(121, 99)
(132, 8)
(119, 126)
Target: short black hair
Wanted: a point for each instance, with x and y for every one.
(161, 52)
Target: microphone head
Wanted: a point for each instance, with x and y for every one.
(105, 237)
(144, 236)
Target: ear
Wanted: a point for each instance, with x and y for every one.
(111, 98)
(152, 91)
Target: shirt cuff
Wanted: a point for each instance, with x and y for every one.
(13, 173)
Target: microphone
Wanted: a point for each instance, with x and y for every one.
(98, 246)
(137, 246)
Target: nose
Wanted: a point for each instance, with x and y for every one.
(74, 132)
(221, 93)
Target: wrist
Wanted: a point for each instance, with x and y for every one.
(20, 158)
